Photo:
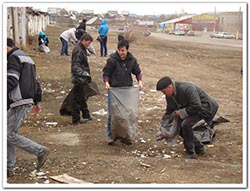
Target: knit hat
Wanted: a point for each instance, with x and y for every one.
(163, 83)
(10, 42)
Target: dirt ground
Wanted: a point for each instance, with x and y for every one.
(82, 151)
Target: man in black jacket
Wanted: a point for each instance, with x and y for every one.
(191, 104)
(23, 90)
(80, 75)
(118, 73)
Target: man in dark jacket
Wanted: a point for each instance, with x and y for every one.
(191, 104)
(23, 90)
(82, 25)
(117, 73)
(80, 75)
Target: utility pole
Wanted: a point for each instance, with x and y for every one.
(214, 18)
(239, 25)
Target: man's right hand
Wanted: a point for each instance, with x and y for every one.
(107, 85)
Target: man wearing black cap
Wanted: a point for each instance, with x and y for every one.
(191, 104)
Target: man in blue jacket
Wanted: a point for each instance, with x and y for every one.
(191, 104)
(103, 33)
(23, 91)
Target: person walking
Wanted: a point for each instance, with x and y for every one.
(65, 38)
(23, 91)
(118, 73)
(80, 76)
(190, 104)
(103, 33)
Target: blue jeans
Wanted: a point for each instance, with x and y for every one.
(64, 49)
(103, 44)
(16, 117)
(109, 131)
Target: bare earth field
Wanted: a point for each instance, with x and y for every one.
(82, 151)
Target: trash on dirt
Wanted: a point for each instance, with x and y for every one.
(153, 91)
(65, 178)
(142, 140)
(163, 170)
(40, 173)
(46, 182)
(210, 146)
(51, 123)
(59, 97)
(141, 92)
(165, 156)
(48, 90)
(152, 108)
(100, 112)
(145, 165)
(33, 173)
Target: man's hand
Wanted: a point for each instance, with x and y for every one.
(177, 112)
(36, 109)
(107, 85)
(140, 85)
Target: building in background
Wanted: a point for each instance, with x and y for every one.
(24, 22)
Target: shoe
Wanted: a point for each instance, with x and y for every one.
(200, 151)
(126, 141)
(111, 141)
(10, 173)
(41, 159)
(190, 155)
(81, 121)
(87, 118)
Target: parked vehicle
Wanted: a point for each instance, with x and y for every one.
(214, 35)
(190, 33)
(225, 35)
(180, 33)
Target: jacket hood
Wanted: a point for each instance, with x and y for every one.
(41, 33)
(104, 21)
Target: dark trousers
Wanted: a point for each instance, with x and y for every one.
(186, 132)
(64, 49)
(103, 44)
(79, 103)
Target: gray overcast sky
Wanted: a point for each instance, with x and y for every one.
(141, 7)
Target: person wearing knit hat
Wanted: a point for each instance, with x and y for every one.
(163, 83)
(190, 104)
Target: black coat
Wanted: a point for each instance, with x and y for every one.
(119, 71)
(79, 65)
(191, 100)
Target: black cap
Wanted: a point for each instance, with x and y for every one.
(163, 83)
(10, 42)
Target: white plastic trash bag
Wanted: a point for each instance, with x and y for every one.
(43, 48)
(124, 107)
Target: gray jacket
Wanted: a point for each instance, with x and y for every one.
(191, 100)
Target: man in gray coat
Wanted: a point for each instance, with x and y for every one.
(191, 104)
(23, 92)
